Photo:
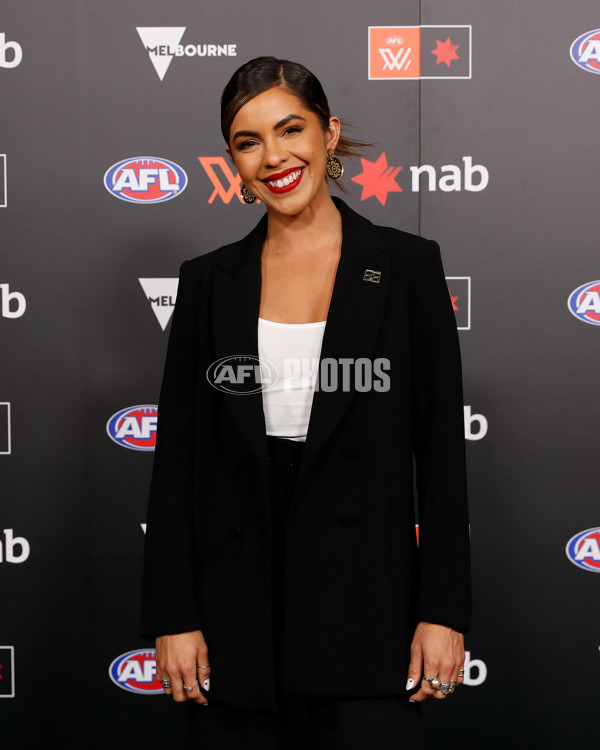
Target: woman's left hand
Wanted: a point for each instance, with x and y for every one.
(436, 651)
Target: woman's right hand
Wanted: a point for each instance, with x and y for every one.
(183, 659)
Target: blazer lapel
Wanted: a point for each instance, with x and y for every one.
(354, 320)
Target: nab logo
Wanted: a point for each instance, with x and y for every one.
(135, 672)
(7, 671)
(479, 420)
(161, 294)
(584, 303)
(378, 178)
(410, 53)
(134, 427)
(145, 179)
(15, 53)
(585, 51)
(583, 550)
(13, 304)
(14, 549)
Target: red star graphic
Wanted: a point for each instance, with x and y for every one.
(445, 52)
(454, 305)
(378, 179)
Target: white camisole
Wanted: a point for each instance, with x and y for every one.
(293, 349)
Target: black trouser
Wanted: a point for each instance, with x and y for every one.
(304, 722)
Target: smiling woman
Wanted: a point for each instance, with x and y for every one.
(283, 581)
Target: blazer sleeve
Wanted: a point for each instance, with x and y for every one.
(444, 584)
(168, 600)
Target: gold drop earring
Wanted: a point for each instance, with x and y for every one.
(334, 167)
(247, 196)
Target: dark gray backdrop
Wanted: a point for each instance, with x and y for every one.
(84, 96)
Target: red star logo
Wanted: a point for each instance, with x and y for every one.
(445, 52)
(377, 179)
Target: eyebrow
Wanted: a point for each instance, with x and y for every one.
(280, 124)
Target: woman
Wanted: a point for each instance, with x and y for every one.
(283, 581)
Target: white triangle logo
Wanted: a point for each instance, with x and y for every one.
(161, 294)
(160, 43)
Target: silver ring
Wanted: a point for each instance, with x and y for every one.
(447, 687)
(166, 684)
(189, 689)
(435, 682)
(461, 672)
(205, 666)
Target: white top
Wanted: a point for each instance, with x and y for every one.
(292, 352)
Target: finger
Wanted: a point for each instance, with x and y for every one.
(432, 671)
(419, 696)
(415, 667)
(162, 676)
(191, 686)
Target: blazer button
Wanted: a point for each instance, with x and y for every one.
(351, 452)
(236, 531)
(348, 519)
(268, 461)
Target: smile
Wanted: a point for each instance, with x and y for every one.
(285, 181)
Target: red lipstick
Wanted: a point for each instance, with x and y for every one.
(280, 175)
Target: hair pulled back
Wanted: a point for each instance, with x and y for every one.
(263, 73)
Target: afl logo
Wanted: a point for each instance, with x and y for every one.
(135, 671)
(585, 51)
(584, 303)
(242, 374)
(134, 427)
(145, 179)
(583, 550)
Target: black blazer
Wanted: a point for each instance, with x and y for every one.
(356, 582)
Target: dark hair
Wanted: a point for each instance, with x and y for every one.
(263, 73)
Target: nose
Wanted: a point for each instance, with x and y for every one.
(274, 153)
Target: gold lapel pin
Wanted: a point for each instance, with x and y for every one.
(370, 275)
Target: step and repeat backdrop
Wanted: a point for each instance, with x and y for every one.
(484, 121)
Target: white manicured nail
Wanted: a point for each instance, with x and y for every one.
(410, 684)
(206, 684)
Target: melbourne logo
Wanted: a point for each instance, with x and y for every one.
(414, 52)
(583, 550)
(378, 178)
(585, 51)
(135, 672)
(163, 44)
(584, 303)
(145, 179)
(7, 671)
(134, 427)
(161, 294)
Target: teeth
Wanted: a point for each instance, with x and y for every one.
(286, 180)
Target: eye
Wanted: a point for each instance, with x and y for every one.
(245, 145)
(292, 129)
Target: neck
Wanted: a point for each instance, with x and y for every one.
(318, 224)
